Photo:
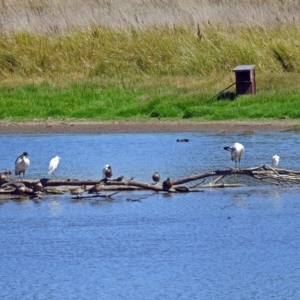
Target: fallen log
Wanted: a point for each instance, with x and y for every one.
(223, 185)
(210, 179)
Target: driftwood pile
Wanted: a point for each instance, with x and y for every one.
(22, 187)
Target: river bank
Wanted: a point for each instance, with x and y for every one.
(36, 127)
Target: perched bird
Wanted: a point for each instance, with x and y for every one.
(78, 191)
(107, 172)
(53, 165)
(167, 184)
(120, 178)
(21, 164)
(236, 151)
(156, 177)
(275, 161)
(96, 188)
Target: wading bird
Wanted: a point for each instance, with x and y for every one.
(236, 151)
(275, 161)
(21, 164)
(156, 177)
(53, 165)
(107, 172)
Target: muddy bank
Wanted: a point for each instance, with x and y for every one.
(145, 126)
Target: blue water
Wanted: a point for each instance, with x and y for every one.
(233, 243)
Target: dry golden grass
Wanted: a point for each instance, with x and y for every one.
(163, 51)
(58, 16)
(192, 43)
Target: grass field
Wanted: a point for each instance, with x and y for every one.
(109, 60)
(140, 99)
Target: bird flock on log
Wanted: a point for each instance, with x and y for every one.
(22, 163)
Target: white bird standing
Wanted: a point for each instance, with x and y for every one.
(236, 151)
(53, 165)
(21, 164)
(107, 172)
(275, 161)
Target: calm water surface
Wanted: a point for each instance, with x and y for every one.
(238, 243)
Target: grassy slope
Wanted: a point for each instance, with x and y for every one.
(89, 100)
(164, 71)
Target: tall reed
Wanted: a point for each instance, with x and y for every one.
(59, 16)
(155, 51)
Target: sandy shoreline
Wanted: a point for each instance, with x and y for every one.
(44, 127)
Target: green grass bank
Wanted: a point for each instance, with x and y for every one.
(144, 99)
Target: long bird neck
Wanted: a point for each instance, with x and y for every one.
(228, 148)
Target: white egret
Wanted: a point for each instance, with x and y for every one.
(236, 151)
(275, 161)
(107, 172)
(21, 164)
(53, 165)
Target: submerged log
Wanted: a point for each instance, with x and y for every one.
(210, 179)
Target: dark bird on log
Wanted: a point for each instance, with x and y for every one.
(53, 165)
(167, 184)
(236, 151)
(21, 164)
(78, 191)
(120, 178)
(156, 177)
(107, 172)
(96, 188)
(275, 161)
(182, 140)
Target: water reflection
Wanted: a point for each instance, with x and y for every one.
(54, 205)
